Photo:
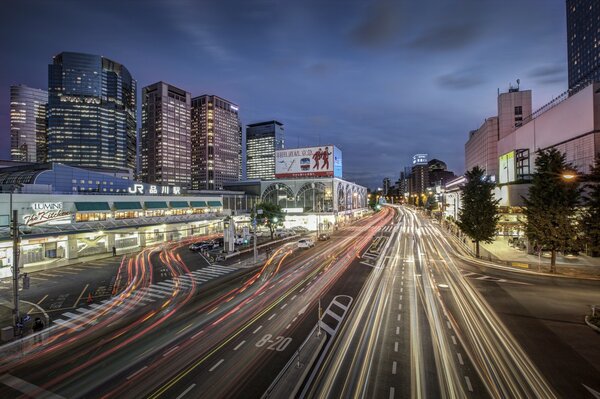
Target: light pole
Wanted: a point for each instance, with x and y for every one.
(15, 268)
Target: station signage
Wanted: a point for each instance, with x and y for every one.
(145, 189)
(47, 213)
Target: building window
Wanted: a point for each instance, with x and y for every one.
(519, 110)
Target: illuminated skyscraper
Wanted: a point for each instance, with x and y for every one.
(216, 142)
(28, 124)
(165, 136)
(262, 140)
(91, 112)
(583, 42)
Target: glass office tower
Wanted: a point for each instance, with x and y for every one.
(91, 112)
(262, 140)
(216, 143)
(28, 124)
(165, 135)
(583, 42)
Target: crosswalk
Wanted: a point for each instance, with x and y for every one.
(84, 316)
(482, 277)
(388, 228)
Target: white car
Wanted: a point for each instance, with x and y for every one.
(306, 243)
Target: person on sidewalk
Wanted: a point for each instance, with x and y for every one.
(38, 326)
(114, 250)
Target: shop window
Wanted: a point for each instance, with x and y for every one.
(90, 216)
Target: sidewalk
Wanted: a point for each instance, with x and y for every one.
(499, 251)
(25, 309)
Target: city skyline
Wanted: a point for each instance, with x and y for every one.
(308, 80)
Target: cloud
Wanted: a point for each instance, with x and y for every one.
(449, 37)
(460, 80)
(549, 73)
(379, 25)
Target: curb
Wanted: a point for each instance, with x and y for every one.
(593, 327)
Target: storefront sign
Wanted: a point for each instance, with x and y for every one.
(153, 189)
(47, 213)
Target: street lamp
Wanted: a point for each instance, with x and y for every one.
(569, 175)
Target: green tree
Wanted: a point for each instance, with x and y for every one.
(478, 215)
(590, 222)
(551, 205)
(271, 215)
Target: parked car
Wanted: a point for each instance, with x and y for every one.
(306, 243)
(324, 237)
(299, 229)
(202, 246)
(281, 233)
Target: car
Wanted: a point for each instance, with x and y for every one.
(202, 246)
(299, 229)
(324, 237)
(306, 243)
(282, 233)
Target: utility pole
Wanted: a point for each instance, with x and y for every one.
(254, 228)
(15, 271)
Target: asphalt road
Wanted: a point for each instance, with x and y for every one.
(175, 319)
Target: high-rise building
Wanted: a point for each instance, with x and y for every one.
(513, 107)
(166, 135)
(439, 174)
(28, 124)
(262, 140)
(482, 148)
(216, 142)
(583, 42)
(386, 186)
(419, 176)
(91, 112)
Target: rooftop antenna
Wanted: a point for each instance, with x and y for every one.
(518, 83)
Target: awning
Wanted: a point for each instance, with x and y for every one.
(179, 204)
(198, 204)
(155, 204)
(92, 206)
(127, 206)
(215, 204)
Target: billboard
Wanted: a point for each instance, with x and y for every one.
(322, 161)
(507, 168)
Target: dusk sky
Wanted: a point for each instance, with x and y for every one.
(380, 79)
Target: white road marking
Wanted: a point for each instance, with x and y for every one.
(469, 386)
(257, 330)
(302, 290)
(392, 391)
(449, 326)
(217, 364)
(294, 297)
(460, 359)
(27, 388)
(284, 305)
(396, 346)
(397, 330)
(288, 326)
(198, 333)
(186, 391)
(394, 368)
(399, 316)
(273, 315)
(137, 372)
(400, 297)
(239, 345)
(399, 306)
(170, 350)
(453, 340)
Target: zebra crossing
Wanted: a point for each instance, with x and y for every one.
(388, 228)
(482, 277)
(84, 316)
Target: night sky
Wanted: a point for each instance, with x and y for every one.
(380, 79)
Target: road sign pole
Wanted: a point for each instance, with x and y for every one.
(15, 268)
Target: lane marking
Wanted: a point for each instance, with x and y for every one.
(469, 386)
(399, 315)
(400, 297)
(186, 391)
(27, 388)
(170, 350)
(257, 330)
(137, 372)
(397, 330)
(449, 326)
(198, 333)
(294, 297)
(273, 315)
(396, 346)
(80, 295)
(460, 359)
(284, 305)
(184, 328)
(239, 345)
(453, 340)
(217, 364)
(42, 300)
(288, 326)
(399, 306)
(394, 368)
(392, 391)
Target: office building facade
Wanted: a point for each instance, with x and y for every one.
(482, 148)
(583, 42)
(216, 142)
(166, 135)
(262, 140)
(91, 112)
(514, 107)
(28, 124)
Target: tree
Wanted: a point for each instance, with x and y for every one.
(478, 215)
(551, 205)
(272, 215)
(590, 222)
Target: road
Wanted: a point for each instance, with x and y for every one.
(432, 322)
(218, 330)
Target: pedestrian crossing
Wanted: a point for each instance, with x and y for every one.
(388, 228)
(78, 319)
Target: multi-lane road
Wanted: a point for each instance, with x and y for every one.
(420, 319)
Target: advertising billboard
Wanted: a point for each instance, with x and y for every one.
(507, 168)
(322, 161)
